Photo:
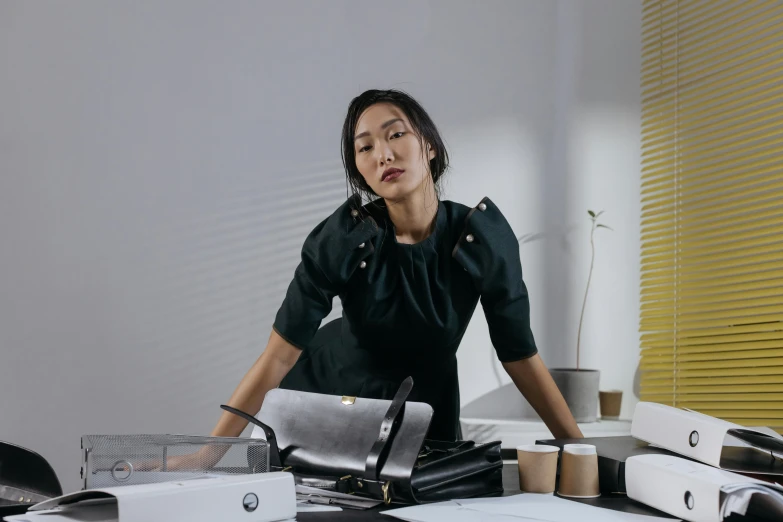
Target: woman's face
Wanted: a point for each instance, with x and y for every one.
(388, 152)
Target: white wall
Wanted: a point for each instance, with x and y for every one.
(162, 162)
(588, 159)
(603, 166)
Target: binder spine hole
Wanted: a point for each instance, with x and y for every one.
(689, 500)
(693, 440)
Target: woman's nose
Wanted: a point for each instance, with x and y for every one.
(386, 154)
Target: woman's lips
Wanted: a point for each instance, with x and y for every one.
(391, 174)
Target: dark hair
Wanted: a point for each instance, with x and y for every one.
(422, 124)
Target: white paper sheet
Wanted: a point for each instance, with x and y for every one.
(306, 507)
(739, 496)
(446, 512)
(518, 508)
(92, 511)
(317, 496)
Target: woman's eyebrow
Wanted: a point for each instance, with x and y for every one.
(386, 124)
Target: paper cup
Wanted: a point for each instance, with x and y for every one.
(579, 472)
(611, 402)
(537, 468)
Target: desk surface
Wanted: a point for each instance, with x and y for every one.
(511, 486)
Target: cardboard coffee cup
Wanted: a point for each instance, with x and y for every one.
(579, 472)
(611, 401)
(537, 468)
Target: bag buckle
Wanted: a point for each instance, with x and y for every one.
(343, 485)
(385, 489)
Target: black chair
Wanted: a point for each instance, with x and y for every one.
(26, 478)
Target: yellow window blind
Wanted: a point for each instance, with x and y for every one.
(712, 208)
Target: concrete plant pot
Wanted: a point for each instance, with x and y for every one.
(580, 390)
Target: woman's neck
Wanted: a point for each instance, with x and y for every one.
(414, 216)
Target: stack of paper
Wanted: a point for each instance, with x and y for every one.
(518, 508)
(309, 499)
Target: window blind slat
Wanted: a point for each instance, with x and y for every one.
(728, 339)
(775, 371)
(755, 407)
(659, 363)
(719, 398)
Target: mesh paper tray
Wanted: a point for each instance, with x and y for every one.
(123, 460)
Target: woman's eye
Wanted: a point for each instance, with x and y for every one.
(397, 134)
(365, 148)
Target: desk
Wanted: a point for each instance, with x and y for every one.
(513, 432)
(511, 486)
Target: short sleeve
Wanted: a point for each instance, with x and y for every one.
(331, 254)
(488, 249)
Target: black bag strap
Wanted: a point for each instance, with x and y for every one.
(274, 455)
(390, 422)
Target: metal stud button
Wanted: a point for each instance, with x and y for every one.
(355, 213)
(361, 246)
(363, 264)
(482, 207)
(469, 238)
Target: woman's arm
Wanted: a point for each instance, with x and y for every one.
(266, 373)
(532, 378)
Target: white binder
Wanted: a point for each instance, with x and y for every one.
(263, 497)
(709, 440)
(697, 492)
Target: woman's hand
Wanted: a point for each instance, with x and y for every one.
(533, 379)
(202, 460)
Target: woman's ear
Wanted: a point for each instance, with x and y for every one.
(430, 152)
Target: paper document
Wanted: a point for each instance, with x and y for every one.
(322, 497)
(738, 498)
(518, 508)
(446, 512)
(102, 510)
(308, 507)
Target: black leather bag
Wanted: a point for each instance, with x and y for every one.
(373, 448)
(26, 478)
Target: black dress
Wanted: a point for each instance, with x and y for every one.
(405, 307)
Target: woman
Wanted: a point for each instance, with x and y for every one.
(409, 270)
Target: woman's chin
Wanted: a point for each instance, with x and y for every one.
(396, 191)
(394, 195)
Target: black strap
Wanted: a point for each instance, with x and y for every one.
(271, 440)
(388, 426)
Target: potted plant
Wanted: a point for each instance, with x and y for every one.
(579, 386)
